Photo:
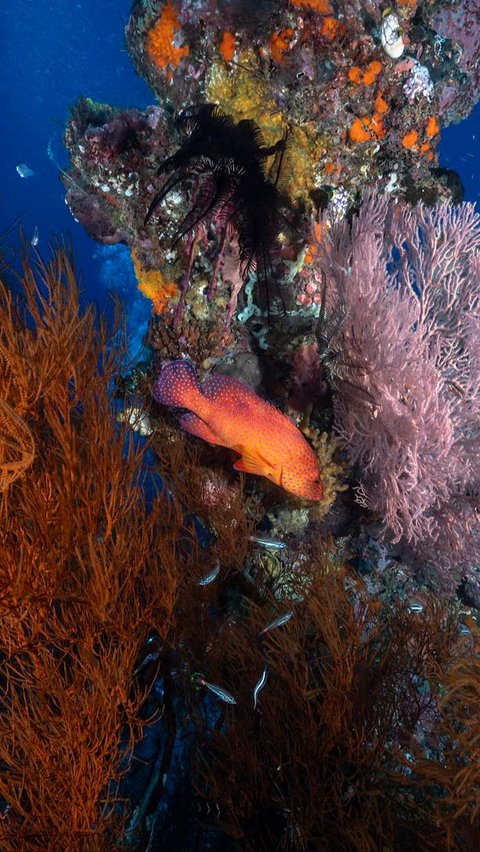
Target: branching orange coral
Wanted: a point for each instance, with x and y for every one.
(86, 572)
(339, 709)
(17, 447)
(457, 773)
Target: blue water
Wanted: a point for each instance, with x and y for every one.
(52, 52)
(56, 50)
(460, 150)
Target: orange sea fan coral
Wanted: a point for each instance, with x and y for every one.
(161, 46)
(340, 701)
(86, 571)
(17, 447)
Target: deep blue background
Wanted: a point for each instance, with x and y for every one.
(52, 52)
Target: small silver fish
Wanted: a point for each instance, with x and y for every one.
(260, 684)
(219, 691)
(278, 622)
(209, 578)
(267, 542)
(24, 171)
(35, 237)
(415, 606)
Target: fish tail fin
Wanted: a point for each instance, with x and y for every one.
(177, 385)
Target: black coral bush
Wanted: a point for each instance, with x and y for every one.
(365, 732)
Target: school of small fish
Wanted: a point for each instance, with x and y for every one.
(226, 411)
(223, 694)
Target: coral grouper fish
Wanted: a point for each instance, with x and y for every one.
(226, 411)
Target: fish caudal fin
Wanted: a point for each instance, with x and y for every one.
(177, 385)
(196, 426)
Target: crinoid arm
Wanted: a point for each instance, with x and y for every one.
(231, 192)
(170, 184)
(211, 200)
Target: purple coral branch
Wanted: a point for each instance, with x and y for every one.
(407, 282)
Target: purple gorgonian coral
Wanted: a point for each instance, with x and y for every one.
(400, 338)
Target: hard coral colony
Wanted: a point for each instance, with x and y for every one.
(283, 662)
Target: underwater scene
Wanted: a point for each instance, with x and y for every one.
(240, 426)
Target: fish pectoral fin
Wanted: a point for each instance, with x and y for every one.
(196, 426)
(252, 463)
(242, 465)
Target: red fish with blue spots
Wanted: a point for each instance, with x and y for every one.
(226, 411)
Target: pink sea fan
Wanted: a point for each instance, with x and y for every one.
(403, 306)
